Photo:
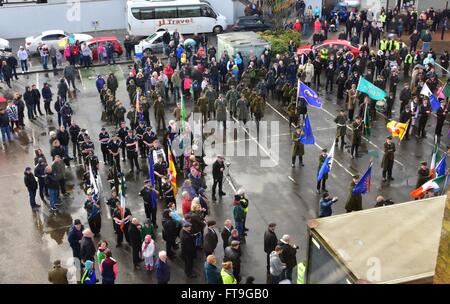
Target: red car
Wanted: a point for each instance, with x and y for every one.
(93, 44)
(330, 44)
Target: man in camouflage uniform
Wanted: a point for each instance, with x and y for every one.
(202, 104)
(286, 93)
(159, 113)
(232, 97)
(211, 96)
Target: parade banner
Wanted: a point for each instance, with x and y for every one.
(370, 89)
(397, 129)
(172, 172)
(327, 164)
(434, 102)
(434, 184)
(151, 173)
(311, 96)
(441, 167)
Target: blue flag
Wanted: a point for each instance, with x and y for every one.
(370, 89)
(309, 95)
(307, 137)
(151, 173)
(435, 104)
(327, 164)
(363, 185)
(441, 167)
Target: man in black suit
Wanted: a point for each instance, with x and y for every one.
(226, 233)
(217, 171)
(211, 239)
(188, 250)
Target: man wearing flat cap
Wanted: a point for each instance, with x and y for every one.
(354, 201)
(188, 251)
(388, 159)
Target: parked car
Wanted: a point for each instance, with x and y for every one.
(4, 44)
(341, 10)
(154, 42)
(330, 44)
(353, 3)
(93, 44)
(50, 38)
(252, 23)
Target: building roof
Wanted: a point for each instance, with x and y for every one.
(402, 238)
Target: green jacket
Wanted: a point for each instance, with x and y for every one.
(238, 213)
(148, 231)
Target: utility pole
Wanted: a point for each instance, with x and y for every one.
(443, 27)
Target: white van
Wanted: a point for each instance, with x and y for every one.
(187, 16)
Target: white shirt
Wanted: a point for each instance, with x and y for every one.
(22, 54)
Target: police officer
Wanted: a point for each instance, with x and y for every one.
(148, 138)
(113, 148)
(103, 137)
(388, 159)
(123, 131)
(131, 143)
(150, 206)
(140, 130)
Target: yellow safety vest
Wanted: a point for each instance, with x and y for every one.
(383, 45)
(383, 18)
(397, 45)
(301, 273)
(324, 54)
(408, 59)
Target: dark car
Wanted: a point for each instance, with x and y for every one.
(252, 23)
(341, 10)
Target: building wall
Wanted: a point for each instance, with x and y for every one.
(66, 16)
(442, 272)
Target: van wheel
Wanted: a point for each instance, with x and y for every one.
(217, 29)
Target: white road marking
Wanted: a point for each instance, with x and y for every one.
(37, 80)
(370, 142)
(249, 139)
(292, 180)
(81, 79)
(231, 184)
(285, 118)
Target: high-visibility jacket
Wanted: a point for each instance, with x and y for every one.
(383, 18)
(383, 45)
(390, 45)
(397, 45)
(301, 270)
(227, 278)
(324, 54)
(408, 59)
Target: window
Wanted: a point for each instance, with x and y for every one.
(50, 37)
(206, 11)
(165, 12)
(188, 11)
(143, 13)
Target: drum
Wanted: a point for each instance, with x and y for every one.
(379, 105)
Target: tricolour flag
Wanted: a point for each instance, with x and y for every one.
(434, 184)
(370, 89)
(434, 102)
(446, 90)
(327, 164)
(172, 172)
(397, 128)
(138, 106)
(307, 136)
(441, 167)
(434, 160)
(311, 96)
(363, 185)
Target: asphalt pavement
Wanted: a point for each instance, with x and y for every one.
(277, 192)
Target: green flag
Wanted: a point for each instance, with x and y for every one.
(370, 89)
(183, 112)
(367, 127)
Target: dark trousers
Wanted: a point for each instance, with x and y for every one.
(123, 147)
(105, 153)
(322, 182)
(95, 223)
(160, 119)
(354, 149)
(390, 164)
(42, 189)
(150, 212)
(350, 114)
(300, 159)
(136, 254)
(74, 149)
(32, 196)
(47, 107)
(30, 112)
(421, 130)
(170, 243)
(121, 233)
(219, 182)
(62, 186)
(115, 160)
(329, 83)
(133, 159)
(188, 265)
(317, 79)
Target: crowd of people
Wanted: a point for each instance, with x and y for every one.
(221, 87)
